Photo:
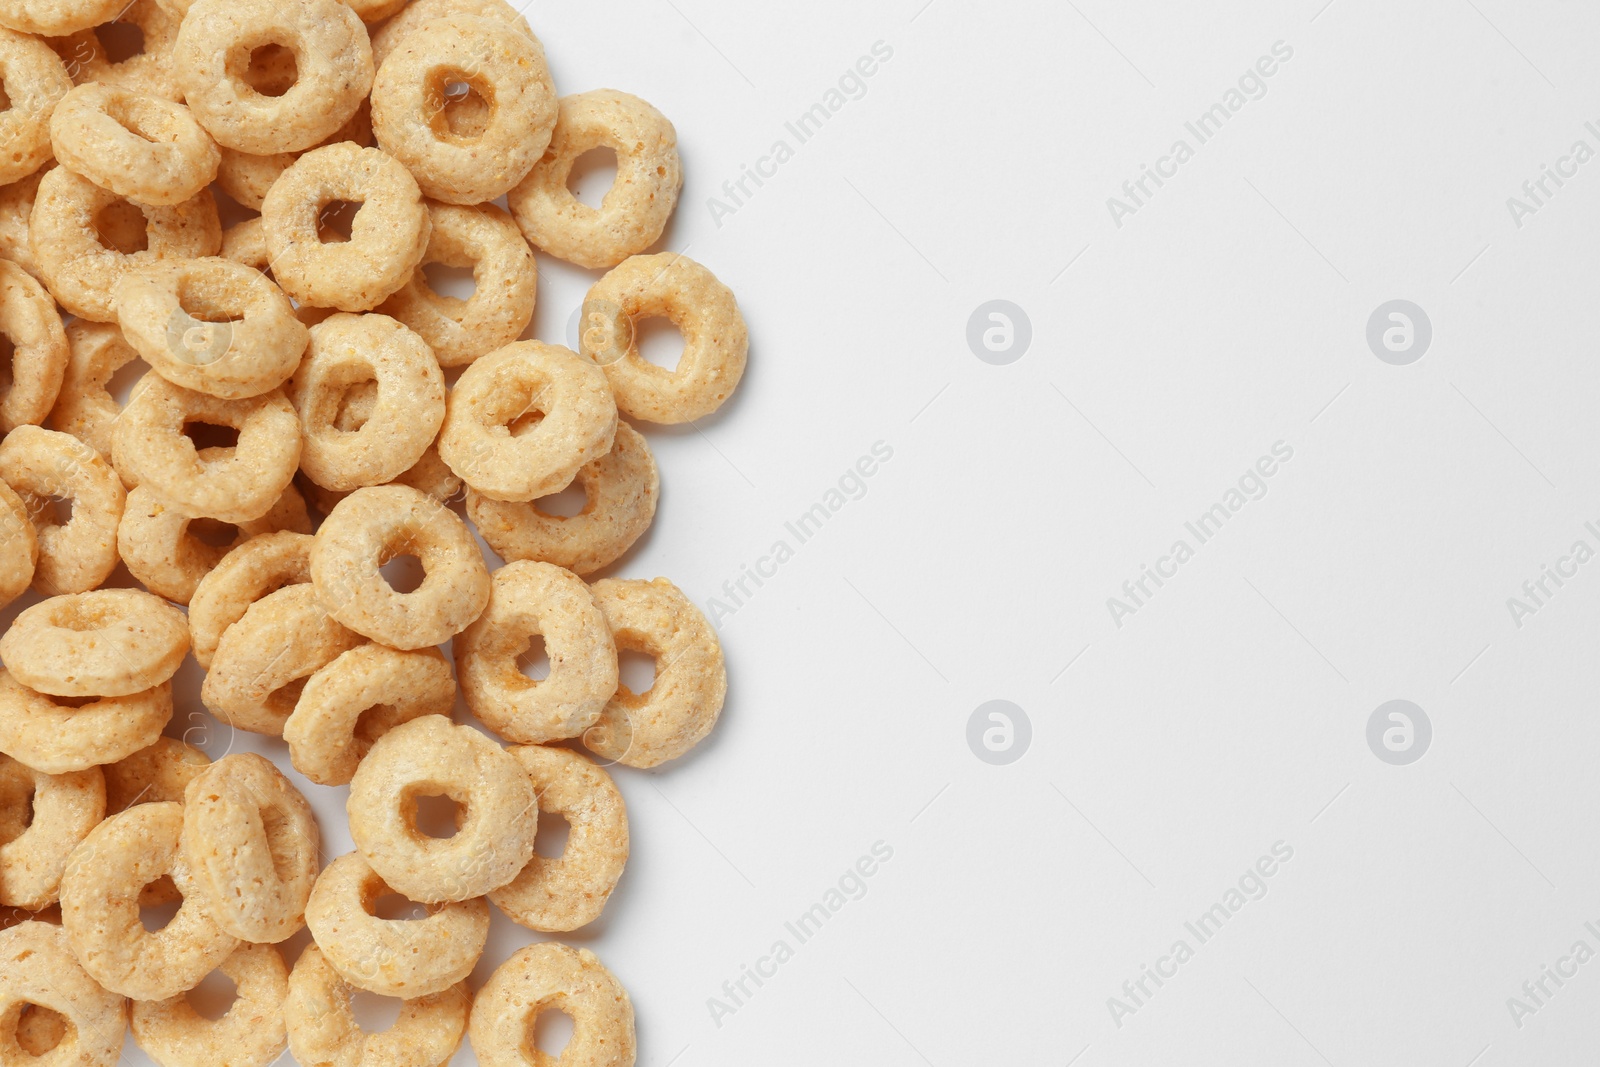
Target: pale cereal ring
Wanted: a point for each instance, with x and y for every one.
(16, 205)
(42, 734)
(85, 407)
(149, 70)
(323, 1028)
(43, 818)
(555, 977)
(375, 10)
(263, 660)
(40, 464)
(83, 238)
(246, 178)
(211, 325)
(237, 484)
(370, 527)
(103, 643)
(262, 565)
(37, 969)
(571, 890)
(411, 121)
(683, 702)
(38, 363)
(388, 234)
(620, 492)
(161, 550)
(420, 12)
(100, 907)
(504, 274)
(405, 958)
(635, 209)
(250, 1034)
(356, 699)
(19, 546)
(408, 409)
(55, 18)
(432, 756)
(157, 773)
(253, 844)
(537, 600)
(522, 420)
(333, 70)
(34, 82)
(246, 242)
(138, 145)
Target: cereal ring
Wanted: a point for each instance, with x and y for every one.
(419, 12)
(370, 527)
(411, 122)
(237, 484)
(375, 10)
(569, 891)
(715, 341)
(620, 491)
(551, 976)
(40, 464)
(522, 420)
(37, 969)
(19, 546)
(263, 660)
(211, 325)
(250, 1034)
(151, 775)
(504, 273)
(85, 407)
(246, 178)
(148, 70)
(43, 819)
(38, 361)
(35, 81)
(159, 546)
(323, 1028)
(46, 736)
(104, 643)
(636, 207)
(262, 565)
(333, 70)
(537, 600)
(356, 699)
(406, 413)
(55, 18)
(83, 238)
(100, 907)
(16, 205)
(683, 702)
(495, 826)
(406, 958)
(138, 145)
(252, 842)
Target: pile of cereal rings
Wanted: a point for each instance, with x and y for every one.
(298, 367)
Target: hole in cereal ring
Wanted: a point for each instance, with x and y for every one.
(214, 532)
(659, 342)
(355, 406)
(120, 41)
(436, 815)
(461, 105)
(525, 422)
(335, 221)
(396, 908)
(534, 663)
(40, 1029)
(548, 1035)
(272, 70)
(636, 671)
(122, 228)
(565, 504)
(209, 435)
(201, 305)
(48, 510)
(551, 840)
(404, 573)
(373, 723)
(374, 1013)
(450, 281)
(16, 801)
(5, 99)
(8, 352)
(281, 702)
(121, 383)
(155, 917)
(593, 174)
(212, 998)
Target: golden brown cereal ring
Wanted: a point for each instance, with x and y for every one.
(388, 234)
(420, 12)
(406, 414)
(370, 527)
(158, 544)
(19, 546)
(620, 491)
(636, 207)
(103, 643)
(405, 958)
(375, 10)
(55, 18)
(80, 240)
(16, 205)
(252, 843)
(37, 969)
(246, 178)
(529, 600)
(571, 890)
(683, 702)
(552, 976)
(42, 734)
(524, 419)
(262, 565)
(323, 1028)
(356, 699)
(100, 907)
(250, 1034)
(85, 407)
(44, 817)
(410, 121)
(504, 273)
(29, 321)
(211, 325)
(40, 464)
(150, 70)
(138, 145)
(35, 82)
(238, 484)
(431, 756)
(151, 775)
(333, 70)
(263, 660)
